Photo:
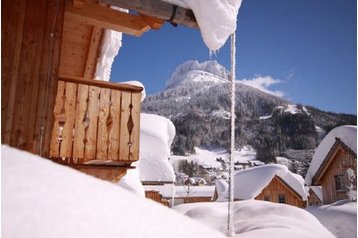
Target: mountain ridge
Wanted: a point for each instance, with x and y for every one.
(197, 100)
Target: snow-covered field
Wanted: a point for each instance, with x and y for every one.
(340, 218)
(209, 158)
(259, 219)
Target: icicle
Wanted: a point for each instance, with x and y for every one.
(230, 226)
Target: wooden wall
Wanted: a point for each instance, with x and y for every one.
(313, 199)
(276, 187)
(31, 41)
(341, 161)
(155, 196)
(80, 47)
(196, 199)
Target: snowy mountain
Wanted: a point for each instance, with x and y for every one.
(197, 101)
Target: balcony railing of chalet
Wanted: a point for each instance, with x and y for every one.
(96, 124)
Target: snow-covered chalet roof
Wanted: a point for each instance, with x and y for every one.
(347, 134)
(249, 183)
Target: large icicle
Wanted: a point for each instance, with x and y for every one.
(230, 227)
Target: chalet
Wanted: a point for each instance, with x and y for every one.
(315, 196)
(334, 165)
(51, 104)
(273, 183)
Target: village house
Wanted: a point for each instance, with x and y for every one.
(272, 183)
(334, 165)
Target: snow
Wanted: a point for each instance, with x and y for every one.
(166, 190)
(265, 117)
(257, 219)
(249, 183)
(214, 30)
(43, 199)
(156, 136)
(208, 158)
(111, 43)
(221, 114)
(347, 134)
(193, 71)
(284, 161)
(340, 218)
(139, 84)
(131, 182)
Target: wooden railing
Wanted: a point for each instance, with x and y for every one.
(96, 123)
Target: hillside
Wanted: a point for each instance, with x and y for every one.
(197, 101)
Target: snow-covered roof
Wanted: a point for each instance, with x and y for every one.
(156, 136)
(318, 191)
(43, 199)
(347, 134)
(216, 19)
(257, 219)
(249, 183)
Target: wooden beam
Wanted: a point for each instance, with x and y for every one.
(158, 9)
(153, 22)
(102, 84)
(104, 17)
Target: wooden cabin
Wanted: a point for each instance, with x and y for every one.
(278, 191)
(332, 174)
(50, 103)
(272, 183)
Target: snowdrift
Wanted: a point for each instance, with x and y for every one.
(42, 199)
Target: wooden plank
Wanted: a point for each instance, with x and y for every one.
(59, 120)
(91, 133)
(102, 84)
(93, 51)
(124, 148)
(104, 17)
(114, 133)
(159, 9)
(81, 122)
(70, 112)
(32, 29)
(136, 99)
(103, 130)
(10, 76)
(32, 93)
(55, 12)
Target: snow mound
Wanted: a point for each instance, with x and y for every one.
(257, 219)
(340, 218)
(43, 199)
(193, 71)
(347, 134)
(249, 183)
(156, 136)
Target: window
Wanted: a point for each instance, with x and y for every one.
(281, 198)
(339, 182)
(267, 198)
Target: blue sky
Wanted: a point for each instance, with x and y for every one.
(307, 47)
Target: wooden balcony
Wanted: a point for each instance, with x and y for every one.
(96, 126)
